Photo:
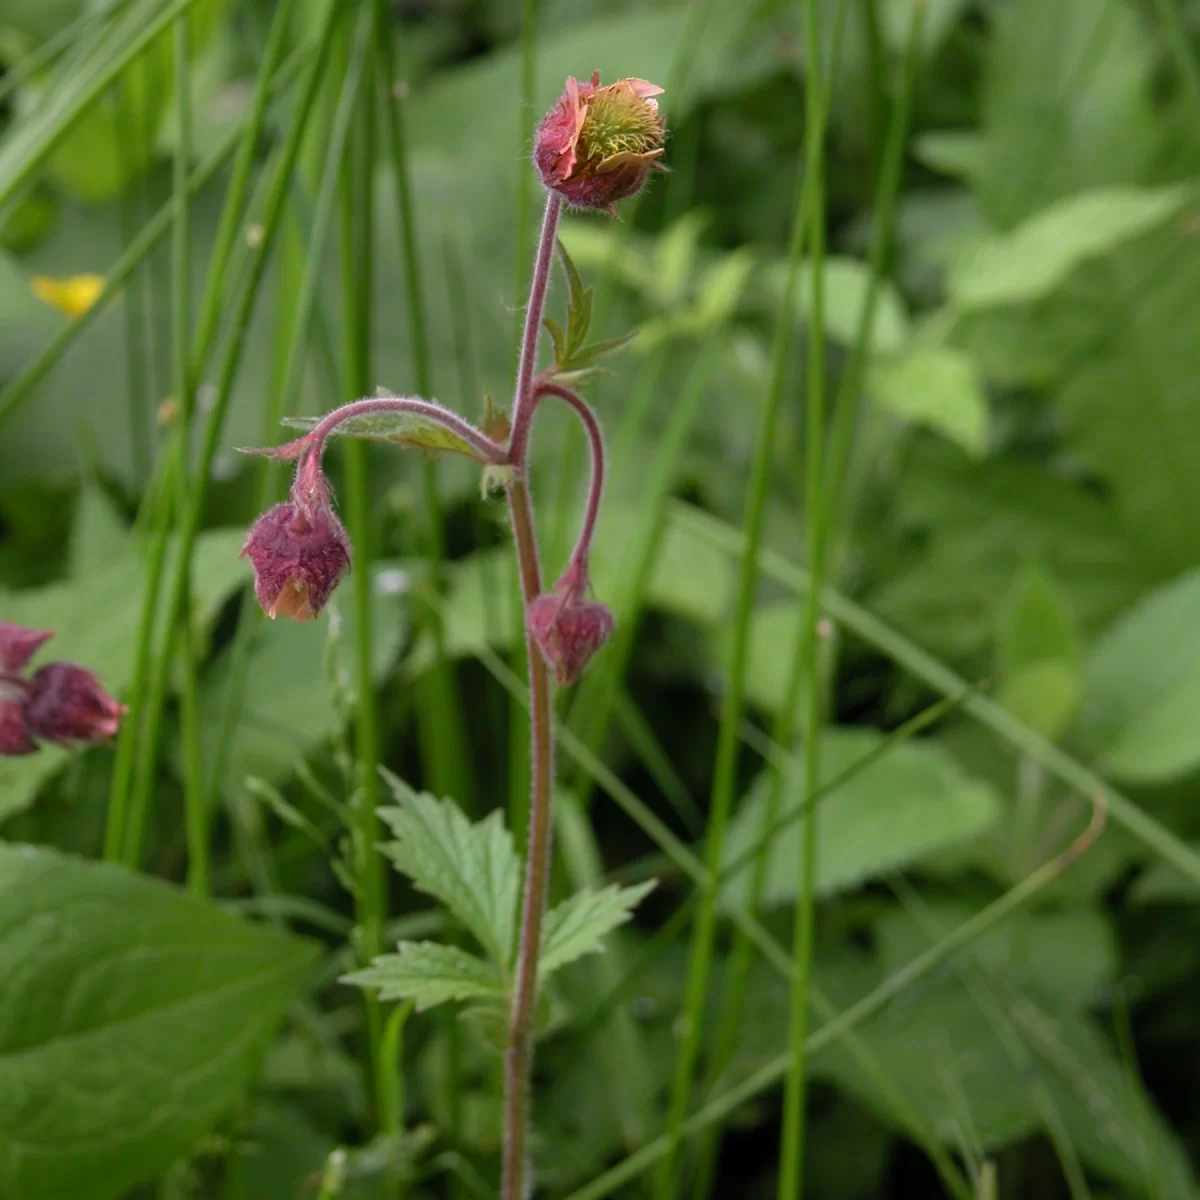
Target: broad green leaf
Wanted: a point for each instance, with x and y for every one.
(132, 1018)
(911, 802)
(98, 535)
(579, 924)
(288, 705)
(936, 386)
(968, 528)
(955, 1064)
(401, 429)
(1142, 688)
(470, 867)
(1037, 256)
(846, 283)
(1066, 104)
(1038, 654)
(674, 258)
(774, 633)
(1066, 954)
(953, 152)
(1163, 884)
(429, 973)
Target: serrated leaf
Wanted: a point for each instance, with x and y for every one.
(471, 867)
(429, 973)
(577, 926)
(596, 351)
(554, 329)
(133, 1016)
(579, 303)
(400, 429)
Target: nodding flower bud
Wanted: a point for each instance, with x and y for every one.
(299, 550)
(63, 702)
(67, 704)
(14, 726)
(567, 628)
(597, 144)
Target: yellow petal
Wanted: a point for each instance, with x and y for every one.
(71, 296)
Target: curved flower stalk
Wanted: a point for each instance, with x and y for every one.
(61, 702)
(595, 147)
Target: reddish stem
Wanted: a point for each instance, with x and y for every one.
(583, 543)
(518, 1058)
(523, 397)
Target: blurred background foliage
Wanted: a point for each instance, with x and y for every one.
(1022, 502)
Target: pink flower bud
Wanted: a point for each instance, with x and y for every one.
(67, 704)
(18, 645)
(597, 144)
(298, 553)
(567, 628)
(14, 728)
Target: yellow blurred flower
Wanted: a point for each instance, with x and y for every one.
(72, 296)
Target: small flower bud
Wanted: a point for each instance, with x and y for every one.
(567, 628)
(67, 704)
(14, 728)
(18, 645)
(299, 550)
(597, 144)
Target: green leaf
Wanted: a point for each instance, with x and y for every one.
(969, 527)
(675, 258)
(429, 973)
(578, 925)
(289, 705)
(847, 282)
(133, 1016)
(554, 329)
(953, 152)
(588, 355)
(1142, 688)
(470, 867)
(579, 307)
(1038, 654)
(936, 386)
(1037, 256)
(908, 804)
(955, 1064)
(400, 429)
(1066, 104)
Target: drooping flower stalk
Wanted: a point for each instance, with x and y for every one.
(594, 148)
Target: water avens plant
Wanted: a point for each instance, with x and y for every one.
(595, 147)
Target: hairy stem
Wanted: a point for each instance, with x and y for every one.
(583, 543)
(523, 397)
(518, 1058)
